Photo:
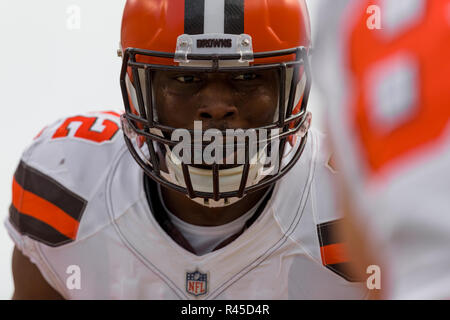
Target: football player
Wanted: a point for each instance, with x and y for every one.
(104, 207)
(384, 67)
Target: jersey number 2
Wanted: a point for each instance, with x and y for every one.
(87, 128)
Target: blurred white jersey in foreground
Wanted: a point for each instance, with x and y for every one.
(384, 68)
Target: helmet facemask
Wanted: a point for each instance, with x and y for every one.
(218, 184)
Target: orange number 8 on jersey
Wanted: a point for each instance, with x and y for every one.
(401, 92)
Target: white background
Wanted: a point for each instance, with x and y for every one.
(48, 70)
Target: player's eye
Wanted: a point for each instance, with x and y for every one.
(188, 79)
(246, 77)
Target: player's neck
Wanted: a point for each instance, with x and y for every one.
(196, 214)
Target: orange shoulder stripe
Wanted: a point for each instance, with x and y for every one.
(32, 205)
(334, 254)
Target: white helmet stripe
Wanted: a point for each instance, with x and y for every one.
(214, 16)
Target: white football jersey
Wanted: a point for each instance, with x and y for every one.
(383, 66)
(81, 213)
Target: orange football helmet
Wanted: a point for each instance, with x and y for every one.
(214, 36)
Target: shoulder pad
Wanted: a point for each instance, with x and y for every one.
(60, 172)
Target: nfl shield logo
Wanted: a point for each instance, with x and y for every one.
(196, 283)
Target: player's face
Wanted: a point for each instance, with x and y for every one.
(219, 100)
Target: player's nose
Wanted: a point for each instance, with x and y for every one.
(217, 112)
(216, 104)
